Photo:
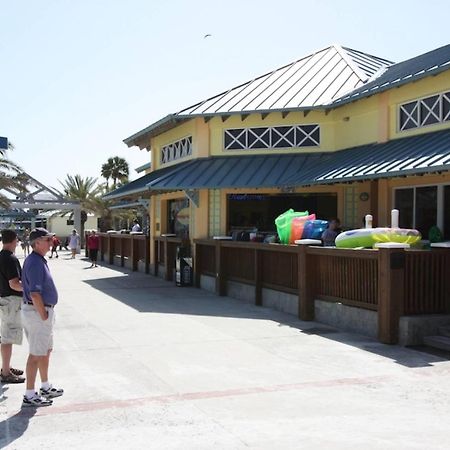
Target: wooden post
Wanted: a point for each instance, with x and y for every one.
(102, 247)
(167, 276)
(147, 255)
(111, 249)
(221, 286)
(305, 286)
(134, 261)
(197, 265)
(258, 277)
(156, 249)
(122, 259)
(391, 267)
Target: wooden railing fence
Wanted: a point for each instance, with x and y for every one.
(393, 282)
(134, 248)
(165, 253)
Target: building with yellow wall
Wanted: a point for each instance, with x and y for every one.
(338, 132)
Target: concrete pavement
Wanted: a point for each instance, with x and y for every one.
(145, 364)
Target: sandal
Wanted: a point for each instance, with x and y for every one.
(17, 372)
(11, 379)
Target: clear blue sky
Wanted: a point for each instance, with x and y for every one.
(77, 77)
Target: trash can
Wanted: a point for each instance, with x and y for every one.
(183, 267)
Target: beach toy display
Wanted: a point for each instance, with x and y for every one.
(298, 225)
(284, 224)
(293, 226)
(313, 229)
(368, 237)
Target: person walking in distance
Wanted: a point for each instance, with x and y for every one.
(74, 243)
(136, 227)
(93, 246)
(55, 243)
(38, 316)
(10, 303)
(26, 242)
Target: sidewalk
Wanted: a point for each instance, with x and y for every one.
(145, 364)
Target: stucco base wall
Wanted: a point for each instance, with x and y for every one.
(207, 283)
(414, 328)
(357, 320)
(161, 271)
(241, 291)
(281, 301)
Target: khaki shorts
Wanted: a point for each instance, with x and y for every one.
(11, 324)
(38, 332)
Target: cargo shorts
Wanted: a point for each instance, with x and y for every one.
(11, 323)
(38, 332)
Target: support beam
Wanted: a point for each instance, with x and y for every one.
(193, 196)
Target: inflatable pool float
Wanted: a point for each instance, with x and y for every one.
(284, 224)
(313, 229)
(368, 237)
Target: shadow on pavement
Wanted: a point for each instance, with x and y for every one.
(15, 426)
(147, 294)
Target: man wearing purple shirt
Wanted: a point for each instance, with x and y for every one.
(38, 316)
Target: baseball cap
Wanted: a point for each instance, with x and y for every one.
(39, 233)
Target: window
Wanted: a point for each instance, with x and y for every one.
(425, 111)
(272, 137)
(178, 217)
(260, 210)
(422, 207)
(404, 202)
(446, 212)
(176, 150)
(426, 209)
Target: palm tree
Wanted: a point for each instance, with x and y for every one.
(11, 177)
(117, 169)
(83, 190)
(106, 172)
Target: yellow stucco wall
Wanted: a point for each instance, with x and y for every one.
(218, 126)
(197, 128)
(413, 91)
(369, 120)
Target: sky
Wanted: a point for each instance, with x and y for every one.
(78, 77)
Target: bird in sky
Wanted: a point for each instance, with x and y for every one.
(207, 35)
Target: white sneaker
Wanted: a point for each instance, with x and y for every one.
(51, 392)
(36, 401)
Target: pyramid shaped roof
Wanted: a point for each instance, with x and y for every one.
(314, 80)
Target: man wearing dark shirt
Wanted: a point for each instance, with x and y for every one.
(38, 315)
(10, 302)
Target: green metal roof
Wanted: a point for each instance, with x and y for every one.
(138, 186)
(420, 154)
(414, 155)
(425, 65)
(425, 153)
(248, 171)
